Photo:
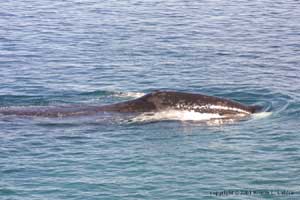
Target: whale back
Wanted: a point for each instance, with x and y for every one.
(198, 103)
(152, 102)
(168, 100)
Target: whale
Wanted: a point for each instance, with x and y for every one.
(156, 101)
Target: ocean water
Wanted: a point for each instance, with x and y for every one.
(69, 52)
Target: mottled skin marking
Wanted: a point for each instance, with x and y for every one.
(152, 102)
(164, 100)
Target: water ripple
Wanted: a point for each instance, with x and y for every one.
(101, 52)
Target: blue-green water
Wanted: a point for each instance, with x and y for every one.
(99, 52)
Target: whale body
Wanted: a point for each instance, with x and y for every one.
(153, 102)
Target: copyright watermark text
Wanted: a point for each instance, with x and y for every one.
(253, 192)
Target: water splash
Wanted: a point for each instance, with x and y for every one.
(177, 115)
(261, 115)
(128, 94)
(184, 115)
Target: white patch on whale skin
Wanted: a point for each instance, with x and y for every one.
(212, 107)
(216, 107)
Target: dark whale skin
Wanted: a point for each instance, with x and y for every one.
(152, 102)
(166, 100)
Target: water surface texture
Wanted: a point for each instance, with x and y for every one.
(66, 52)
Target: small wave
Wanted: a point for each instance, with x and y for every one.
(114, 94)
(96, 93)
(129, 94)
(261, 115)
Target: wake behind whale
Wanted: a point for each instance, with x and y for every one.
(159, 105)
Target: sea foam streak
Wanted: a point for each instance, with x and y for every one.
(129, 94)
(184, 115)
(175, 115)
(261, 115)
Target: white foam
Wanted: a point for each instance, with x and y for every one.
(175, 115)
(129, 94)
(261, 115)
(185, 115)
